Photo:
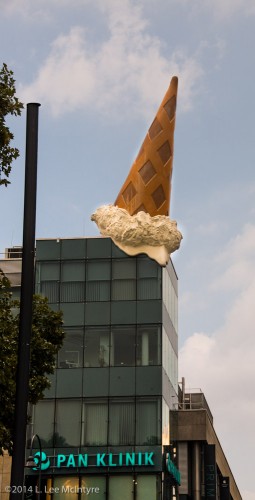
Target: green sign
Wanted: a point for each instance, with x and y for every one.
(172, 469)
(140, 459)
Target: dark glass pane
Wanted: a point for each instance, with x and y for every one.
(73, 271)
(44, 422)
(68, 423)
(124, 290)
(73, 249)
(123, 484)
(49, 289)
(95, 418)
(147, 487)
(65, 486)
(147, 268)
(98, 291)
(71, 354)
(48, 271)
(99, 270)
(48, 249)
(121, 422)
(73, 291)
(98, 482)
(148, 351)
(148, 288)
(123, 346)
(96, 352)
(124, 269)
(148, 422)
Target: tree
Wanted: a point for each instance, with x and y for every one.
(9, 105)
(47, 338)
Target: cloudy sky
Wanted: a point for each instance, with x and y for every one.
(100, 68)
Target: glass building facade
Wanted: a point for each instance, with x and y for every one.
(104, 423)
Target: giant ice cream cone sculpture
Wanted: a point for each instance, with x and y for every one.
(148, 185)
(139, 222)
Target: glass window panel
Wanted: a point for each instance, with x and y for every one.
(48, 249)
(73, 291)
(96, 351)
(48, 271)
(95, 418)
(49, 289)
(73, 248)
(73, 271)
(99, 270)
(148, 346)
(123, 346)
(165, 423)
(147, 268)
(67, 485)
(147, 487)
(124, 289)
(96, 482)
(121, 487)
(148, 431)
(121, 422)
(44, 422)
(71, 353)
(68, 423)
(170, 362)
(97, 291)
(148, 288)
(124, 269)
(170, 299)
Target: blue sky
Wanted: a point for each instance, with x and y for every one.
(100, 69)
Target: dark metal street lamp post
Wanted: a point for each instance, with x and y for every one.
(27, 289)
(31, 462)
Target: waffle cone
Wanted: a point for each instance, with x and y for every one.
(148, 185)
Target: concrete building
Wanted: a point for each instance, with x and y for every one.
(205, 472)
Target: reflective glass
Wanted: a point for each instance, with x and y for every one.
(73, 271)
(148, 429)
(124, 289)
(121, 487)
(44, 422)
(147, 268)
(165, 423)
(98, 270)
(48, 271)
(93, 486)
(67, 486)
(148, 346)
(124, 269)
(72, 291)
(147, 487)
(71, 354)
(121, 422)
(96, 352)
(170, 361)
(49, 289)
(123, 346)
(97, 291)
(68, 423)
(148, 288)
(94, 427)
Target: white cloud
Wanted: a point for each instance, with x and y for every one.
(223, 364)
(125, 73)
(237, 262)
(223, 10)
(226, 8)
